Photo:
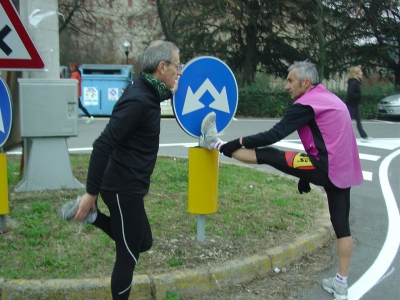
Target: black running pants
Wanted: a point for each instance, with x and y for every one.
(299, 165)
(129, 227)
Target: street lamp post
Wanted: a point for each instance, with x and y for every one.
(126, 45)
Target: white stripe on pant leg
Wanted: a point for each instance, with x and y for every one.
(125, 289)
(126, 245)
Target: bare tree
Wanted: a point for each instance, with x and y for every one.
(93, 31)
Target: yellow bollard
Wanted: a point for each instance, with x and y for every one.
(203, 181)
(3, 185)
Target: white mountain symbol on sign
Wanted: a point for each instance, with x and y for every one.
(192, 102)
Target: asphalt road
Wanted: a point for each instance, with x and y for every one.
(375, 219)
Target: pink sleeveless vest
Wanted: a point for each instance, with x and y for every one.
(333, 120)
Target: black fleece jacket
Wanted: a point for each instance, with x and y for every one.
(353, 96)
(125, 154)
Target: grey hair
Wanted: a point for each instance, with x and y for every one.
(157, 51)
(305, 69)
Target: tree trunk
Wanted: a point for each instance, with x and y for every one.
(321, 41)
(397, 69)
(165, 21)
(250, 54)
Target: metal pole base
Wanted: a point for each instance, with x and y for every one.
(201, 228)
(3, 223)
(48, 166)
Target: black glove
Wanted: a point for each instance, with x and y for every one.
(303, 186)
(230, 147)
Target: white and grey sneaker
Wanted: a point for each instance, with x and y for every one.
(89, 120)
(339, 291)
(68, 211)
(366, 140)
(209, 134)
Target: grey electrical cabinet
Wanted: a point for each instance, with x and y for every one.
(48, 107)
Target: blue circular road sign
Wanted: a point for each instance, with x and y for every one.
(5, 112)
(207, 84)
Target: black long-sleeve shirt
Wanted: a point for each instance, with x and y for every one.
(125, 153)
(295, 117)
(353, 96)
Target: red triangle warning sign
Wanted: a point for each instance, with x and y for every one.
(17, 51)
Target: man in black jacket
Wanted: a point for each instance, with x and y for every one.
(122, 161)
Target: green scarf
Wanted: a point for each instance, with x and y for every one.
(157, 83)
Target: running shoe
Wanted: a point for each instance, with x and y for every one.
(68, 211)
(339, 291)
(366, 140)
(209, 134)
(89, 120)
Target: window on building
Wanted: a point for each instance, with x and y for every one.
(150, 22)
(130, 22)
(110, 3)
(90, 47)
(91, 24)
(130, 3)
(110, 46)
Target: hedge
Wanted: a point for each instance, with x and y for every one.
(272, 103)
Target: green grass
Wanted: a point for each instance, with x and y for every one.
(172, 296)
(256, 210)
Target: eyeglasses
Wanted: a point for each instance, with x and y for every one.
(179, 66)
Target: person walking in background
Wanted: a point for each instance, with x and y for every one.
(353, 99)
(331, 159)
(76, 74)
(122, 160)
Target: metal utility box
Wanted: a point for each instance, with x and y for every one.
(48, 107)
(103, 85)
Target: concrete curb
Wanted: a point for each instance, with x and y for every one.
(185, 283)
(239, 270)
(188, 282)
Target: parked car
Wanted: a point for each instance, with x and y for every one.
(390, 106)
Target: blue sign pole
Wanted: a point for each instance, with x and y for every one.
(5, 128)
(5, 112)
(207, 84)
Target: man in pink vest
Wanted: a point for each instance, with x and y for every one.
(331, 159)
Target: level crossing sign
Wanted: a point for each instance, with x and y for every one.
(207, 84)
(5, 112)
(17, 51)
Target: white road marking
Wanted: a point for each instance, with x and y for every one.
(369, 157)
(392, 242)
(187, 145)
(300, 147)
(367, 175)
(389, 144)
(80, 149)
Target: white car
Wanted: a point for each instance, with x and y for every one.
(390, 106)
